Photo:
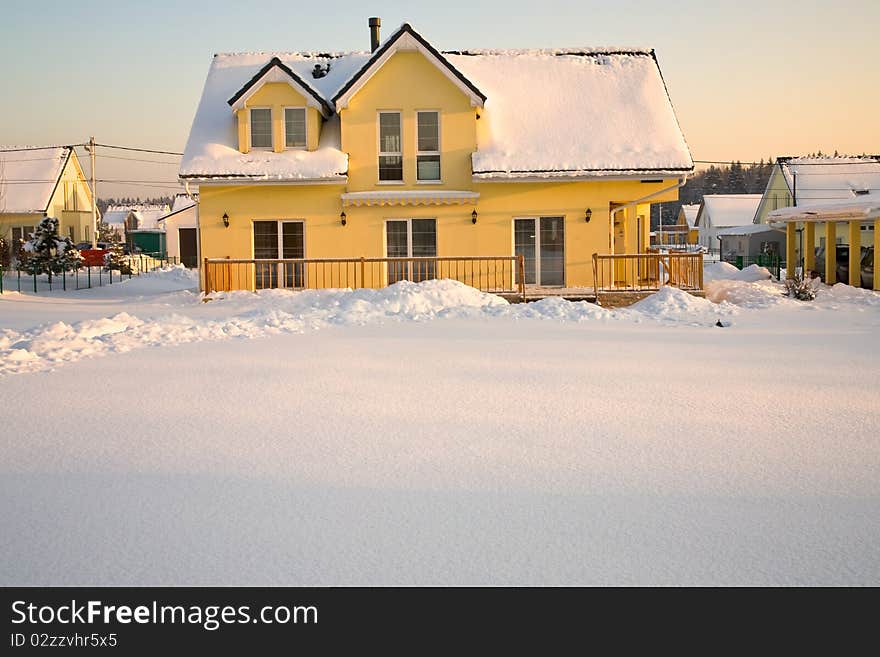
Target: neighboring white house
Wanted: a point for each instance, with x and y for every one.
(718, 211)
(818, 181)
(129, 218)
(182, 230)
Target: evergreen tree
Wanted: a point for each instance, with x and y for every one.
(108, 233)
(47, 252)
(736, 180)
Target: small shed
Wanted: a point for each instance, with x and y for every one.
(182, 230)
(751, 241)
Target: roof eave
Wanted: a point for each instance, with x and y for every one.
(326, 108)
(340, 99)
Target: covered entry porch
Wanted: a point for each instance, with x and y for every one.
(804, 225)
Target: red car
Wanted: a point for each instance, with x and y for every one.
(93, 257)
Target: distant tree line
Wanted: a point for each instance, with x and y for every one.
(733, 178)
(104, 203)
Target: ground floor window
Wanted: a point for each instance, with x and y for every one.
(277, 240)
(20, 235)
(412, 239)
(541, 240)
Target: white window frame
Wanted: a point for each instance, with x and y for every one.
(409, 244)
(280, 246)
(381, 153)
(271, 145)
(437, 181)
(305, 110)
(537, 220)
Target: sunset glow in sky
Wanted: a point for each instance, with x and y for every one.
(747, 79)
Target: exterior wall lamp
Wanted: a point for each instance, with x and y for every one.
(343, 218)
(588, 214)
(225, 220)
(474, 217)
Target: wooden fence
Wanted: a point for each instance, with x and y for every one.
(645, 272)
(495, 274)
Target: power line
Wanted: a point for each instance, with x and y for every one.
(139, 150)
(134, 159)
(19, 149)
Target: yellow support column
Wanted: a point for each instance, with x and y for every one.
(855, 253)
(790, 249)
(876, 251)
(830, 253)
(809, 246)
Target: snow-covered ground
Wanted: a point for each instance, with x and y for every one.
(433, 434)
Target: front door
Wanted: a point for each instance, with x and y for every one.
(411, 239)
(275, 240)
(189, 250)
(541, 242)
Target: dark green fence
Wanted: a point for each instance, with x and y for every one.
(771, 262)
(15, 279)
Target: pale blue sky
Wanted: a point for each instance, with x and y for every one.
(748, 79)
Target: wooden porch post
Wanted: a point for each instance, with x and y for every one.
(809, 247)
(855, 253)
(790, 249)
(830, 253)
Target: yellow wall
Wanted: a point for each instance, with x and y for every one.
(407, 83)
(364, 234)
(70, 203)
(277, 96)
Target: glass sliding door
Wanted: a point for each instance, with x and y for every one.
(266, 248)
(274, 240)
(424, 245)
(552, 251)
(396, 246)
(525, 241)
(411, 238)
(292, 246)
(541, 242)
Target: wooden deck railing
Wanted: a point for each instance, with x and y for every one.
(496, 274)
(644, 272)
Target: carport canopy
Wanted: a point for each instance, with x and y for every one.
(855, 212)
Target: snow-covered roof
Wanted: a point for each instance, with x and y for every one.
(750, 229)
(577, 112)
(182, 202)
(574, 112)
(822, 180)
(147, 215)
(690, 211)
(724, 210)
(863, 207)
(28, 177)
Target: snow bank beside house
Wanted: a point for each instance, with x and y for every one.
(725, 271)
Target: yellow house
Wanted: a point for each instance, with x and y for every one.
(43, 182)
(361, 169)
(687, 223)
(818, 181)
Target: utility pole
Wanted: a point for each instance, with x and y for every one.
(91, 149)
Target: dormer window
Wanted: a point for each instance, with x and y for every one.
(295, 127)
(261, 127)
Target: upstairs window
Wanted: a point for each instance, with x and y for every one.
(294, 127)
(390, 149)
(261, 128)
(428, 153)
